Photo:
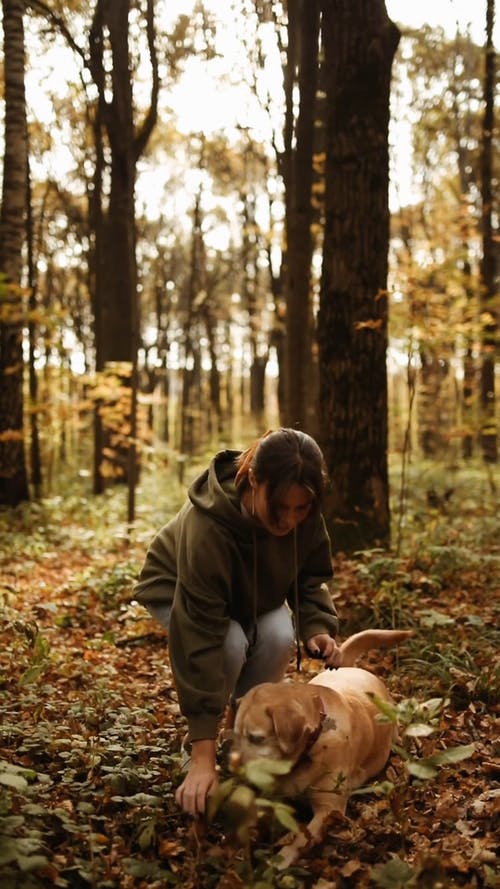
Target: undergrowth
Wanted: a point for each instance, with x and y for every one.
(90, 730)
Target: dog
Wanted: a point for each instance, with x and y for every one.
(327, 728)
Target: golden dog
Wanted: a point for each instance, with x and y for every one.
(327, 728)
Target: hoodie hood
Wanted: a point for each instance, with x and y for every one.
(213, 492)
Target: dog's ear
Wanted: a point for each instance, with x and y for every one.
(289, 726)
(296, 723)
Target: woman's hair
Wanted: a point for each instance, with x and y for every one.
(283, 458)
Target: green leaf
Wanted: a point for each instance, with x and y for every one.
(420, 730)
(427, 767)
(421, 768)
(151, 869)
(432, 707)
(242, 798)
(34, 809)
(8, 850)
(395, 874)
(262, 772)
(28, 863)
(15, 781)
(217, 799)
(380, 788)
(490, 877)
(385, 707)
(63, 620)
(139, 799)
(431, 618)
(284, 814)
(41, 648)
(31, 674)
(10, 824)
(401, 751)
(146, 836)
(453, 754)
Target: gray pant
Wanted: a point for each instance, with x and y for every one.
(246, 665)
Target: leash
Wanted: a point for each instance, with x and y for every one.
(296, 599)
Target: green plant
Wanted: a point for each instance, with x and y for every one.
(246, 797)
(244, 803)
(20, 847)
(416, 720)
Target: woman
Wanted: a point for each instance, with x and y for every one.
(237, 577)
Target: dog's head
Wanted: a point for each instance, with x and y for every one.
(276, 721)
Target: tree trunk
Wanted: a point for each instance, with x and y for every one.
(115, 303)
(118, 269)
(469, 369)
(303, 26)
(360, 42)
(191, 347)
(488, 262)
(13, 475)
(35, 453)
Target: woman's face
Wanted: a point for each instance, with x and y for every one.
(292, 507)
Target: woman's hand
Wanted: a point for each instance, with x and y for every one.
(201, 780)
(324, 646)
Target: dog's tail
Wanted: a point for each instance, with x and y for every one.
(360, 643)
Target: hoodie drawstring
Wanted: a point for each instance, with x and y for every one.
(254, 548)
(295, 594)
(296, 598)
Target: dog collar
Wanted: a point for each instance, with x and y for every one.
(327, 723)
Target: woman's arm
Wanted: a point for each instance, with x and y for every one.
(156, 583)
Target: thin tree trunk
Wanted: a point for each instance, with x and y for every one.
(469, 370)
(488, 425)
(304, 25)
(35, 456)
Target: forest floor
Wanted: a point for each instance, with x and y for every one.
(90, 731)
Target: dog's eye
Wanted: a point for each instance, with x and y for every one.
(256, 738)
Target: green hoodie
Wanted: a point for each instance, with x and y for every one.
(213, 563)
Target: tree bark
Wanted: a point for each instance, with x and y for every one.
(303, 29)
(35, 451)
(360, 42)
(115, 302)
(13, 475)
(488, 262)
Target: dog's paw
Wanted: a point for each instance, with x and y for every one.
(286, 857)
(291, 850)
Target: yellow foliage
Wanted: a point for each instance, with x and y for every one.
(13, 369)
(107, 470)
(487, 318)
(11, 435)
(371, 324)
(319, 163)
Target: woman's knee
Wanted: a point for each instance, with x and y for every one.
(160, 612)
(276, 629)
(235, 653)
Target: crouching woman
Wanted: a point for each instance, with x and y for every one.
(238, 577)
